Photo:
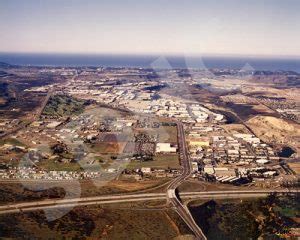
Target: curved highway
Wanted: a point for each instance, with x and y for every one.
(172, 198)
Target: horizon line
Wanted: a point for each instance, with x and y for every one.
(230, 55)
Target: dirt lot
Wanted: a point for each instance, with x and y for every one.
(235, 128)
(129, 148)
(276, 131)
(295, 167)
(30, 191)
(195, 185)
(109, 147)
(117, 138)
(167, 134)
(246, 111)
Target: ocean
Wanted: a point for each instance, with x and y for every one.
(147, 61)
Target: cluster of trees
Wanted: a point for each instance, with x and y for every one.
(63, 105)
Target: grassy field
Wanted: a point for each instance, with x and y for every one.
(51, 165)
(63, 105)
(6, 157)
(11, 141)
(263, 218)
(118, 186)
(95, 222)
(159, 161)
(17, 192)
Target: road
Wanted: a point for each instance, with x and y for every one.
(110, 199)
(172, 198)
(41, 109)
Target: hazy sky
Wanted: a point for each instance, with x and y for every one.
(256, 27)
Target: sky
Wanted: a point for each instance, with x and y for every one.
(243, 27)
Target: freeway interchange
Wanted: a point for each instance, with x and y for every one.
(138, 197)
(171, 196)
(68, 204)
(182, 210)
